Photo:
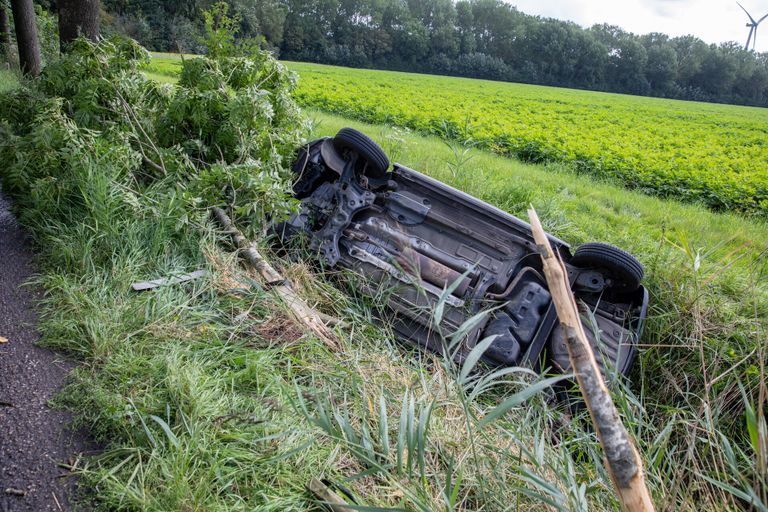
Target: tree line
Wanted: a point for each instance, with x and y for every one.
(473, 38)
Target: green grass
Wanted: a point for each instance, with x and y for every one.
(165, 65)
(705, 153)
(197, 390)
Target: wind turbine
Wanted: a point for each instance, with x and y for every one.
(752, 27)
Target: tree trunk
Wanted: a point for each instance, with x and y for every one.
(26, 36)
(78, 17)
(5, 33)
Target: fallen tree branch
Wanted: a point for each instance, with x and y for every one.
(329, 498)
(622, 458)
(271, 279)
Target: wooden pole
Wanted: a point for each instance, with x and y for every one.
(622, 458)
(301, 312)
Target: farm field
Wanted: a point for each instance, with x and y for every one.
(713, 154)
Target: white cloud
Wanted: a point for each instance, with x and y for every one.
(714, 21)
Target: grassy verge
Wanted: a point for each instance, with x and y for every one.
(208, 397)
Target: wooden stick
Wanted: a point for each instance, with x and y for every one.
(622, 458)
(329, 498)
(301, 312)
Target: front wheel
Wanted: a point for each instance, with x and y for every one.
(376, 160)
(620, 268)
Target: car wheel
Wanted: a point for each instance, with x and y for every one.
(376, 160)
(623, 269)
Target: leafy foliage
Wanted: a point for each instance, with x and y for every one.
(217, 137)
(109, 204)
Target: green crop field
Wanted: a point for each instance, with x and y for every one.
(713, 154)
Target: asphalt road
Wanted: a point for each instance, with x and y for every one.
(34, 438)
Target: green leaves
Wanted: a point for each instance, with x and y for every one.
(93, 137)
(375, 451)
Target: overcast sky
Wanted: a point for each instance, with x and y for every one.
(714, 21)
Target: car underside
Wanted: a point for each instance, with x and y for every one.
(436, 257)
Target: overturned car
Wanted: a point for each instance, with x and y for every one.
(432, 247)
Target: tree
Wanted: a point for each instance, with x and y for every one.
(24, 22)
(661, 68)
(629, 66)
(5, 32)
(464, 25)
(78, 17)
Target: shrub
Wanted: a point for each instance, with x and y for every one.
(225, 132)
(480, 65)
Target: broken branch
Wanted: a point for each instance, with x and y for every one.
(272, 280)
(623, 460)
(329, 498)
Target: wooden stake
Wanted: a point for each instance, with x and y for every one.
(622, 458)
(301, 312)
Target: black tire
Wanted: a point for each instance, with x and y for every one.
(375, 158)
(623, 269)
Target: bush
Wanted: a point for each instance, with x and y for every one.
(209, 140)
(480, 65)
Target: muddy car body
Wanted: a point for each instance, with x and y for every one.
(423, 247)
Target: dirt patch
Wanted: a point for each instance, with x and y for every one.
(34, 438)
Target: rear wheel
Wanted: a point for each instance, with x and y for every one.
(621, 268)
(376, 161)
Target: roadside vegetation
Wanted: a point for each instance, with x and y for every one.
(207, 397)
